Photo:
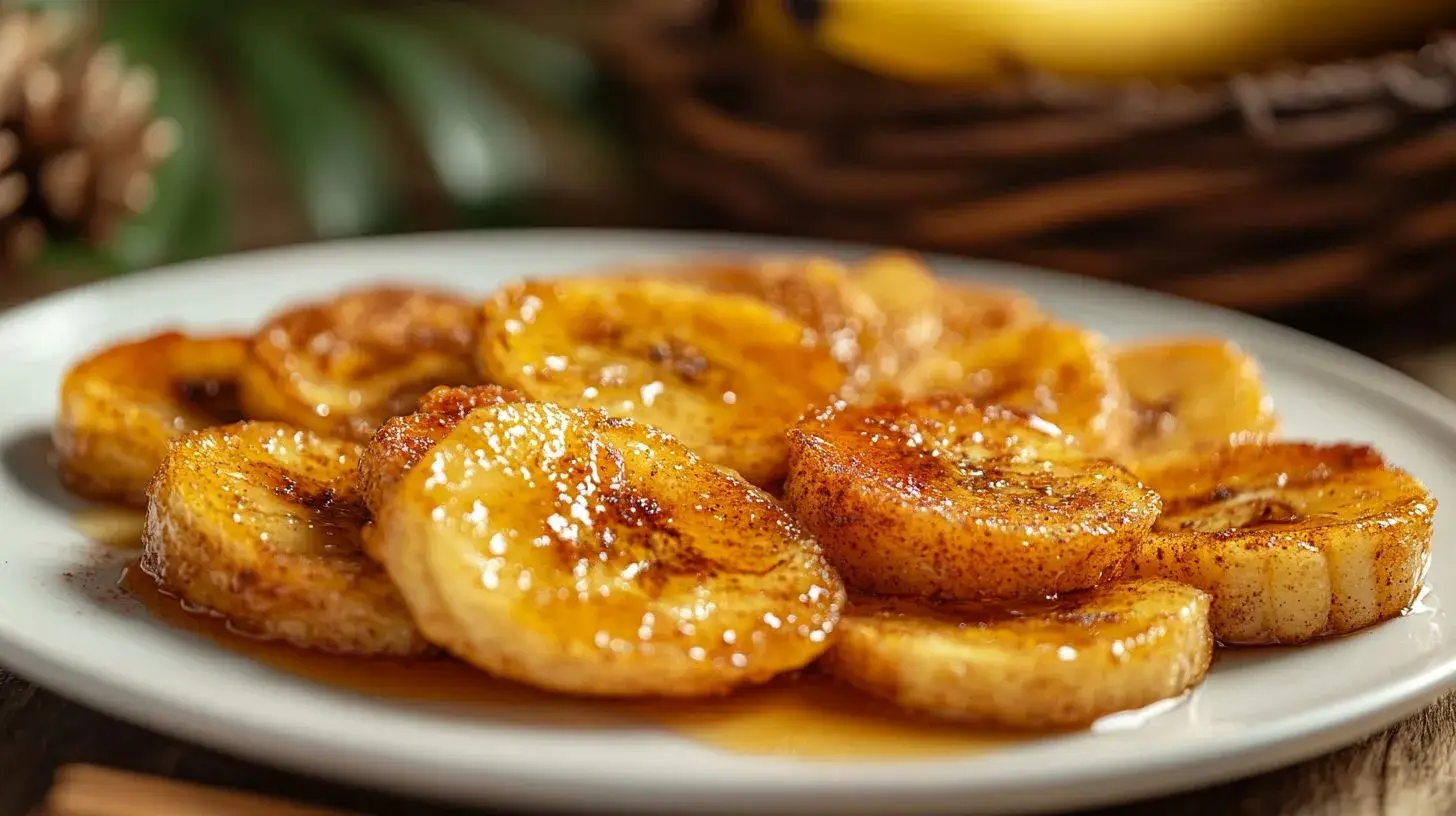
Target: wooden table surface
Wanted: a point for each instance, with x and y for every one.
(1409, 769)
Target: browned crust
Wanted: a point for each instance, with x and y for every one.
(403, 441)
(882, 490)
(345, 365)
(271, 543)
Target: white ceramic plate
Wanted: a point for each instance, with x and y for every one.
(1256, 711)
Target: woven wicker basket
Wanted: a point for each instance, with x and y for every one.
(1331, 184)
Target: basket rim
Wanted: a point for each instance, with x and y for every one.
(1421, 78)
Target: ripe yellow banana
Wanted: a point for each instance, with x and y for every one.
(260, 523)
(769, 26)
(1059, 372)
(725, 374)
(1294, 541)
(1190, 394)
(123, 406)
(1062, 663)
(942, 498)
(955, 41)
(583, 553)
(404, 440)
(343, 366)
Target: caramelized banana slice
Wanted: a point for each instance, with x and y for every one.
(259, 523)
(726, 374)
(1042, 665)
(404, 440)
(1191, 394)
(971, 313)
(941, 498)
(1059, 372)
(923, 314)
(121, 408)
(588, 554)
(816, 292)
(909, 297)
(1294, 541)
(343, 366)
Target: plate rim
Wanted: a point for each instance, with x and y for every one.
(1281, 741)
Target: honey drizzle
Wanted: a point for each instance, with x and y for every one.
(807, 716)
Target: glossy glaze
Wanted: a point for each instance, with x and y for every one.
(1295, 541)
(807, 715)
(592, 554)
(941, 498)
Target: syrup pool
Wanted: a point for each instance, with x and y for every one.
(807, 716)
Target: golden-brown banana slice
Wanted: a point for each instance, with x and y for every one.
(404, 440)
(1059, 372)
(816, 292)
(1190, 394)
(923, 314)
(121, 407)
(909, 297)
(725, 374)
(1042, 665)
(259, 523)
(971, 313)
(343, 366)
(1294, 541)
(941, 498)
(584, 553)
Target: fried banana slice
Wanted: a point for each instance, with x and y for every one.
(343, 366)
(1058, 372)
(816, 292)
(589, 554)
(259, 523)
(123, 406)
(725, 374)
(404, 440)
(1190, 394)
(941, 498)
(908, 296)
(971, 313)
(1294, 541)
(924, 314)
(1042, 665)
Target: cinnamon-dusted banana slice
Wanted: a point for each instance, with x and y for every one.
(404, 440)
(583, 553)
(726, 374)
(1056, 664)
(260, 523)
(1190, 394)
(942, 498)
(342, 367)
(120, 408)
(1059, 372)
(1294, 541)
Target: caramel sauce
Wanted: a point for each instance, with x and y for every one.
(115, 527)
(807, 716)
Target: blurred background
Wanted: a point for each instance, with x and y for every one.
(1292, 158)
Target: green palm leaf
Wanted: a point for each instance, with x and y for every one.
(479, 147)
(330, 143)
(188, 216)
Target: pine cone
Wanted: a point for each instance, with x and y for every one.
(78, 141)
